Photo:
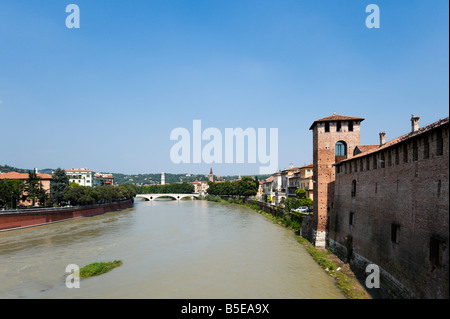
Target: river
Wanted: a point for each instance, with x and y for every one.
(169, 249)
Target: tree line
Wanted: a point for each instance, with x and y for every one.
(176, 188)
(245, 187)
(13, 192)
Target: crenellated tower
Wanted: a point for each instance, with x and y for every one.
(334, 138)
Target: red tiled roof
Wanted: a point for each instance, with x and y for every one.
(336, 117)
(365, 148)
(401, 139)
(22, 176)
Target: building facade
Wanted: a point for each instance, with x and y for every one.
(81, 176)
(101, 179)
(302, 178)
(45, 180)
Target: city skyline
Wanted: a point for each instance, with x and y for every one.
(106, 96)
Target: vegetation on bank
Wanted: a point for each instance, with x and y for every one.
(178, 188)
(76, 195)
(98, 268)
(61, 193)
(245, 187)
(346, 281)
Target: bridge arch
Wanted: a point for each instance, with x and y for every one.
(151, 197)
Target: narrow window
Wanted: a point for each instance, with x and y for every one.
(327, 127)
(426, 147)
(439, 143)
(376, 188)
(405, 153)
(382, 160)
(415, 151)
(338, 127)
(389, 158)
(374, 161)
(354, 188)
(361, 165)
(439, 188)
(395, 233)
(367, 163)
(435, 244)
(351, 218)
(397, 156)
(350, 126)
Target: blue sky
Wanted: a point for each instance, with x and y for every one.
(107, 95)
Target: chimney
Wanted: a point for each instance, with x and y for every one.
(414, 123)
(382, 138)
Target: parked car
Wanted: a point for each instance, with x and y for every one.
(301, 209)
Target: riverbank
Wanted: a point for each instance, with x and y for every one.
(345, 278)
(18, 219)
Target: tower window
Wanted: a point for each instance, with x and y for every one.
(338, 127)
(350, 126)
(351, 219)
(340, 151)
(327, 127)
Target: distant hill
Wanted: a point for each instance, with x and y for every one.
(6, 169)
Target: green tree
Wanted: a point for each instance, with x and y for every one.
(34, 189)
(58, 184)
(11, 192)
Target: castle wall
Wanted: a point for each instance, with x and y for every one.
(392, 210)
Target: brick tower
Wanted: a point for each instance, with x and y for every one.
(211, 175)
(334, 138)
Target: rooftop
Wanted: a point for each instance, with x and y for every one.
(336, 117)
(22, 176)
(400, 139)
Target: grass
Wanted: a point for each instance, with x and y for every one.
(346, 281)
(98, 268)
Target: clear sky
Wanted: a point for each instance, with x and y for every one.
(106, 96)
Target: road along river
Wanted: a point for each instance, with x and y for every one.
(169, 249)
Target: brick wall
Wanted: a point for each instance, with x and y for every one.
(398, 217)
(323, 171)
(44, 216)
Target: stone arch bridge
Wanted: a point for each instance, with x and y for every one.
(152, 197)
